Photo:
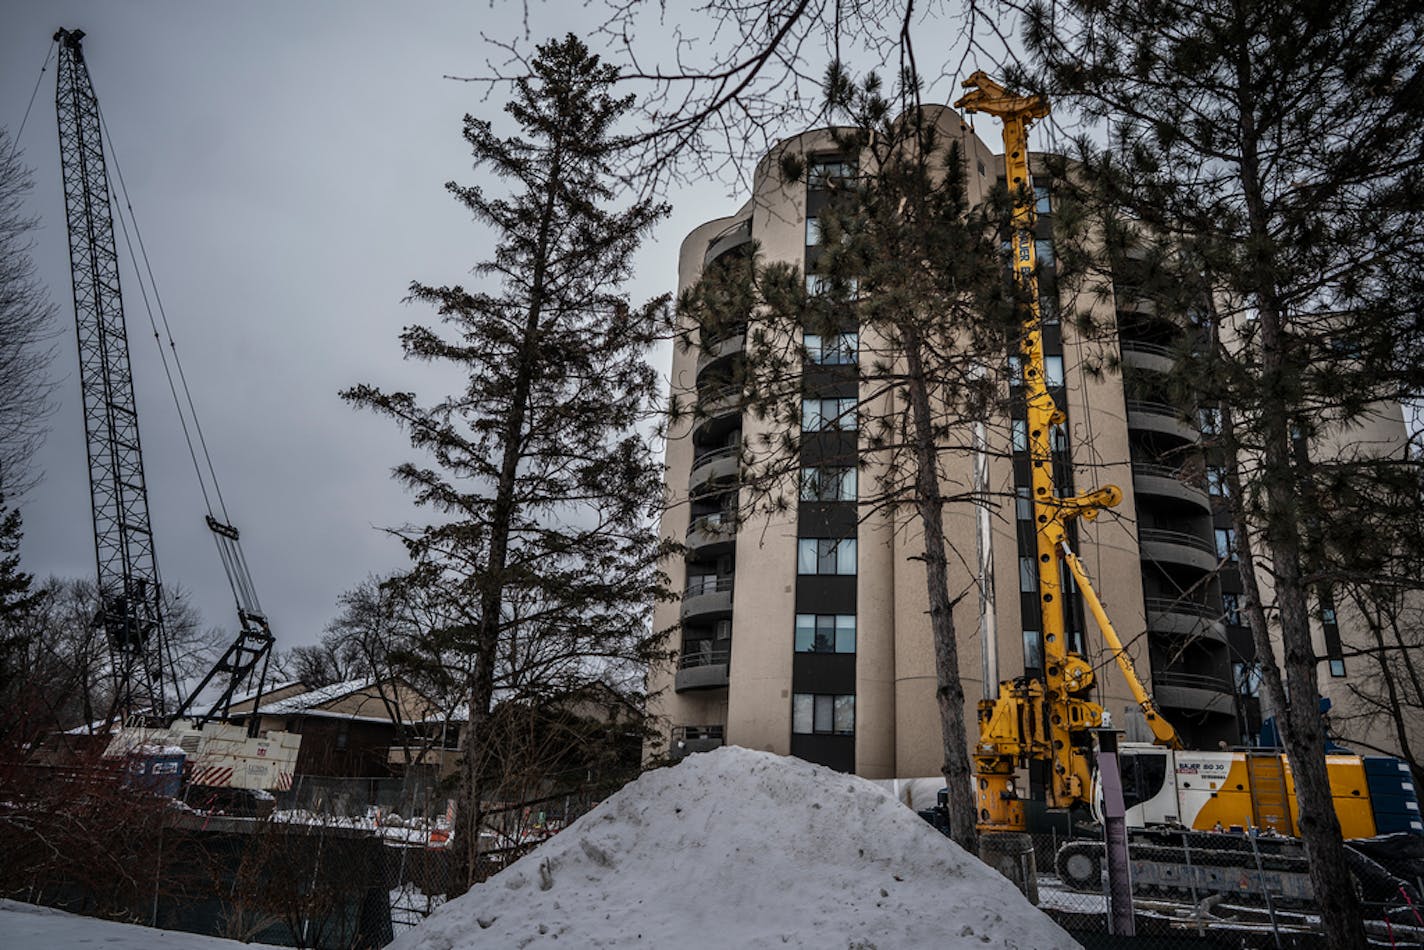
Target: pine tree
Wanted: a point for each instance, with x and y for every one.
(542, 477)
(1271, 154)
(910, 309)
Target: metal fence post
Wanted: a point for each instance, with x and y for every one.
(1265, 889)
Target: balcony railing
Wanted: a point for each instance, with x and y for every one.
(719, 523)
(1163, 471)
(708, 584)
(1156, 409)
(1166, 605)
(693, 733)
(1142, 346)
(712, 455)
(1216, 684)
(1161, 536)
(692, 659)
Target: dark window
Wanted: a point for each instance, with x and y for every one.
(1143, 774)
(825, 633)
(824, 415)
(823, 714)
(1216, 481)
(825, 556)
(343, 734)
(828, 483)
(1041, 201)
(1247, 677)
(836, 349)
(821, 172)
(1226, 543)
(1033, 649)
(1231, 609)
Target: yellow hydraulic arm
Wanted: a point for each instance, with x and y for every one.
(1046, 721)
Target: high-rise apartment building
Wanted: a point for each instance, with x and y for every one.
(806, 633)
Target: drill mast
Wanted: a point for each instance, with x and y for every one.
(1047, 720)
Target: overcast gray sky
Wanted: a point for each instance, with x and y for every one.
(286, 162)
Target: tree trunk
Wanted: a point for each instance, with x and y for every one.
(1302, 726)
(949, 689)
(491, 582)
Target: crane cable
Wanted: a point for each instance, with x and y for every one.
(224, 535)
(15, 142)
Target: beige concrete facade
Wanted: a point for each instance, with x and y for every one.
(746, 598)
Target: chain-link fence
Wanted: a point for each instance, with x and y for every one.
(1194, 890)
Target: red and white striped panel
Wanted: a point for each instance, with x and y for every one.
(212, 776)
(284, 781)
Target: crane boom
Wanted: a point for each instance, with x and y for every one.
(130, 592)
(1047, 720)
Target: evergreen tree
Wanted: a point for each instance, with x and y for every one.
(1271, 156)
(542, 478)
(907, 314)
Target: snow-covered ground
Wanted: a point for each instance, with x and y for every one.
(27, 927)
(736, 848)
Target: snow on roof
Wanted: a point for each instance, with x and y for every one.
(305, 701)
(736, 848)
(266, 690)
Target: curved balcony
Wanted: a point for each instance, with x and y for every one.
(1161, 418)
(707, 598)
(686, 740)
(717, 465)
(1141, 355)
(1164, 481)
(702, 669)
(718, 412)
(1177, 547)
(710, 535)
(1194, 691)
(720, 350)
(1184, 618)
(734, 237)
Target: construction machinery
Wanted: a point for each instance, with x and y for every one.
(1051, 719)
(148, 694)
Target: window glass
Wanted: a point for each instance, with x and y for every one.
(811, 420)
(1048, 309)
(1248, 678)
(1041, 201)
(1033, 648)
(1023, 503)
(1231, 609)
(805, 633)
(845, 556)
(845, 633)
(1337, 667)
(1209, 420)
(1058, 437)
(1226, 544)
(806, 554)
(825, 556)
(845, 715)
(1148, 773)
(1052, 371)
(1327, 614)
(821, 171)
(1028, 575)
(814, 353)
(1044, 251)
(825, 713)
(1216, 481)
(1019, 432)
(833, 483)
(825, 633)
(813, 231)
(1015, 364)
(801, 713)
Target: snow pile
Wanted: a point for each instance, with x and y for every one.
(735, 848)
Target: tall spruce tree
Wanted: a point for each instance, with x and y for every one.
(907, 318)
(1271, 153)
(542, 476)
